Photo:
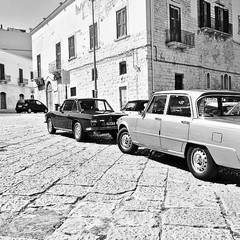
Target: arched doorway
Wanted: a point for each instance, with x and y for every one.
(3, 100)
(49, 93)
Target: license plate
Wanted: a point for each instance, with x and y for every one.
(110, 123)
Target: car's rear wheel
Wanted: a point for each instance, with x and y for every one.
(201, 163)
(29, 110)
(50, 126)
(125, 143)
(45, 110)
(78, 132)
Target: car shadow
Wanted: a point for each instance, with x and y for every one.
(105, 139)
(225, 176)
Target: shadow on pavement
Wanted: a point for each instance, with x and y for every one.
(93, 138)
(225, 175)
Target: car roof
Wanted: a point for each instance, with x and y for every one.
(86, 99)
(137, 101)
(196, 93)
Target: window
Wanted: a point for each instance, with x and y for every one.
(31, 74)
(39, 74)
(208, 81)
(238, 24)
(226, 82)
(157, 105)
(178, 81)
(68, 105)
(222, 19)
(122, 68)
(2, 72)
(121, 16)
(58, 56)
(71, 47)
(179, 106)
(175, 24)
(93, 35)
(73, 91)
(20, 75)
(93, 74)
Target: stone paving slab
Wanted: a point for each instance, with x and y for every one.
(54, 188)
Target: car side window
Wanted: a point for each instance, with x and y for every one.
(38, 103)
(74, 108)
(68, 105)
(157, 105)
(179, 106)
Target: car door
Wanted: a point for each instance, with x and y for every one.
(62, 117)
(149, 124)
(175, 123)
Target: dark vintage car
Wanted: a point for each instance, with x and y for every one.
(84, 116)
(30, 105)
(134, 106)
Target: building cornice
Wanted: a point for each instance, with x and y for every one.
(52, 15)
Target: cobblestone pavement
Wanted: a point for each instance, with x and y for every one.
(54, 188)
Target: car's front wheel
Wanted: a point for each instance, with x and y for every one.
(50, 126)
(78, 132)
(125, 143)
(45, 110)
(201, 163)
(29, 110)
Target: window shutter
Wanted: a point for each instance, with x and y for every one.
(201, 14)
(225, 21)
(2, 72)
(217, 18)
(208, 14)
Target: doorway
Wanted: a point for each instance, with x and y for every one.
(49, 95)
(3, 100)
(123, 96)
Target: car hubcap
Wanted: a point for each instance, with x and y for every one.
(126, 141)
(199, 161)
(77, 131)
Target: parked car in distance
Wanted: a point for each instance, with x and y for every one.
(201, 126)
(30, 105)
(84, 116)
(134, 106)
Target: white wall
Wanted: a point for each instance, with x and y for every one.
(12, 63)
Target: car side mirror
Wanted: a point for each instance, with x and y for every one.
(60, 109)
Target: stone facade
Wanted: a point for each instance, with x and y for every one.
(15, 56)
(156, 57)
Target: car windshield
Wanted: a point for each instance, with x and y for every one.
(95, 105)
(211, 106)
(130, 106)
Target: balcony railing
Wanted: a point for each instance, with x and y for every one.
(213, 26)
(55, 68)
(180, 39)
(39, 81)
(5, 79)
(22, 82)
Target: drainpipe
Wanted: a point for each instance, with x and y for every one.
(152, 45)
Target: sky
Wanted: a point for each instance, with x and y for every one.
(25, 14)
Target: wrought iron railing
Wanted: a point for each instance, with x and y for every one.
(180, 36)
(55, 66)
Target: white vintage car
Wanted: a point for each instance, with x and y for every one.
(201, 126)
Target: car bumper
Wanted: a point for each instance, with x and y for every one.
(101, 129)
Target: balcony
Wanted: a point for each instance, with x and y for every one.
(55, 68)
(22, 82)
(179, 39)
(5, 79)
(216, 28)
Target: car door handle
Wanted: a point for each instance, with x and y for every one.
(185, 122)
(157, 118)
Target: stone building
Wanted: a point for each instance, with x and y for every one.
(140, 46)
(15, 67)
